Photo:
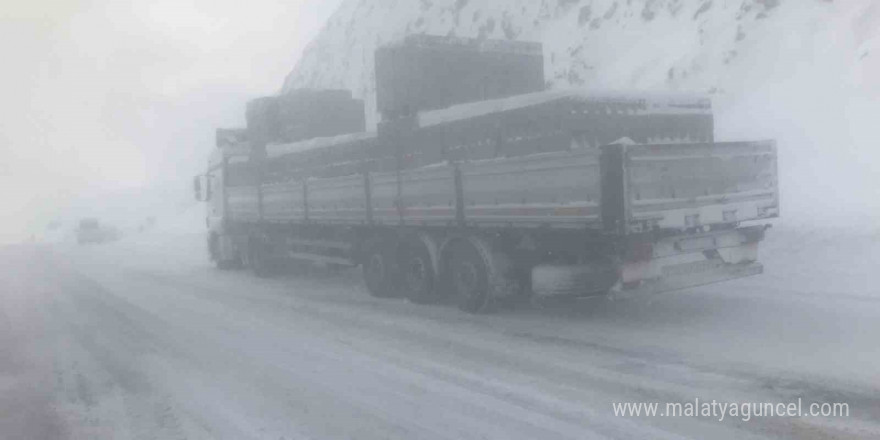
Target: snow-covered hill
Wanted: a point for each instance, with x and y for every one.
(711, 45)
(805, 72)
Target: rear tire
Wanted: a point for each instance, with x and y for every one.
(418, 273)
(381, 274)
(216, 255)
(469, 278)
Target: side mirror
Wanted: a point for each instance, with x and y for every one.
(197, 189)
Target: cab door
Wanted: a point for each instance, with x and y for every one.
(216, 199)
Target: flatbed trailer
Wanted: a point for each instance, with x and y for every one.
(562, 193)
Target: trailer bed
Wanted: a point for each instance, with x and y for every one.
(624, 188)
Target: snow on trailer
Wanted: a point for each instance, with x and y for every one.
(278, 150)
(598, 102)
(552, 121)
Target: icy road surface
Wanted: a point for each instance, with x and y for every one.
(141, 339)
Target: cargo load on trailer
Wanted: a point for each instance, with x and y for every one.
(304, 114)
(423, 72)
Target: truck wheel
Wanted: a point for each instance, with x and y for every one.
(469, 273)
(216, 255)
(418, 272)
(381, 273)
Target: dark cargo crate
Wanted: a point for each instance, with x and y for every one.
(426, 73)
(304, 114)
(262, 119)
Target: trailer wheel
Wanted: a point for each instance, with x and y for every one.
(381, 273)
(469, 272)
(419, 272)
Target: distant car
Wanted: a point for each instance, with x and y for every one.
(91, 231)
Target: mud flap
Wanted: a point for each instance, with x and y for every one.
(688, 275)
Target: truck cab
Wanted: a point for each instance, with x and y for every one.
(212, 188)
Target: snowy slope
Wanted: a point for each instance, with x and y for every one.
(804, 72)
(694, 44)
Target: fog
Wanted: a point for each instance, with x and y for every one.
(815, 88)
(116, 98)
(494, 289)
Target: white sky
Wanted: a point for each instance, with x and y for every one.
(105, 95)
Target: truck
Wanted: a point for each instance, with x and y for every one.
(542, 194)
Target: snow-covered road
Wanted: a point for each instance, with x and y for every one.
(141, 339)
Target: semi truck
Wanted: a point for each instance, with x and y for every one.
(542, 194)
